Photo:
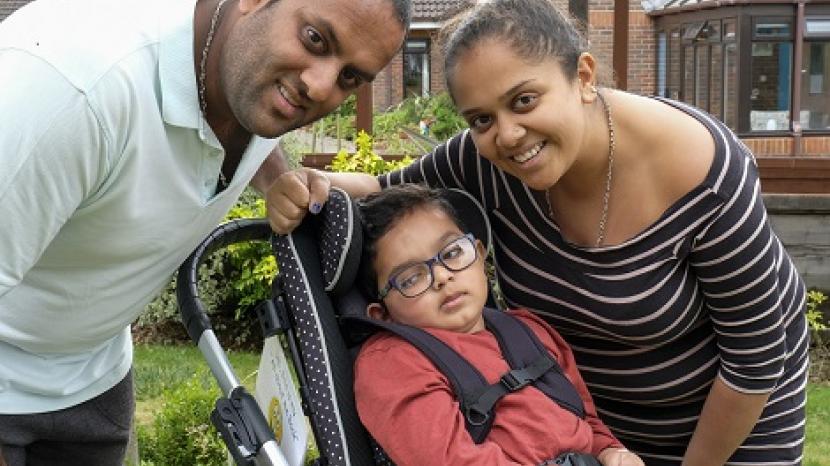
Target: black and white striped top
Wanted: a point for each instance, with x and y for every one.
(706, 291)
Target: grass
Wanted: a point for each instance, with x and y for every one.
(159, 367)
(818, 425)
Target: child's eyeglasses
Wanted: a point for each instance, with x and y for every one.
(418, 278)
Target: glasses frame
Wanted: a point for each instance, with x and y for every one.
(392, 284)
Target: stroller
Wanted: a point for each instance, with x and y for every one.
(316, 309)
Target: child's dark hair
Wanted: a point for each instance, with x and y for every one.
(381, 211)
(535, 29)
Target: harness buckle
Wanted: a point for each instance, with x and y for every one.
(475, 417)
(512, 383)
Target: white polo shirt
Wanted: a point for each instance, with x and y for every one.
(107, 180)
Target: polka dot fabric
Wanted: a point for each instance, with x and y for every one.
(313, 258)
(339, 240)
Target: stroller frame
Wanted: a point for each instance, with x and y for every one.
(318, 263)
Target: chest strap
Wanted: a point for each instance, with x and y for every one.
(524, 352)
(530, 363)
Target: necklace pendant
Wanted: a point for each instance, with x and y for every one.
(221, 182)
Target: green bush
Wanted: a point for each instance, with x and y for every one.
(386, 125)
(181, 433)
(231, 282)
(815, 318)
(340, 123)
(410, 111)
(365, 159)
(447, 120)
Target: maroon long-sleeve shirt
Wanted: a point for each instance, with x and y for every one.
(409, 407)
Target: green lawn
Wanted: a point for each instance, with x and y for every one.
(817, 451)
(158, 368)
(161, 367)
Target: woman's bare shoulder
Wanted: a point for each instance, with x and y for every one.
(678, 149)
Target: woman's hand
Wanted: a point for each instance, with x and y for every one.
(294, 194)
(619, 457)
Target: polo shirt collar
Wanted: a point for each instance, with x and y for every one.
(179, 92)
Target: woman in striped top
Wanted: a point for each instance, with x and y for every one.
(647, 245)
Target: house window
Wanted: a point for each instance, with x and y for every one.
(716, 94)
(702, 77)
(416, 68)
(770, 71)
(689, 74)
(702, 64)
(815, 78)
(730, 85)
(730, 74)
(673, 84)
(662, 59)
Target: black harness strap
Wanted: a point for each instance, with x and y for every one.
(482, 404)
(465, 379)
(530, 364)
(522, 349)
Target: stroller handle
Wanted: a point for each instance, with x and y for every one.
(197, 323)
(192, 309)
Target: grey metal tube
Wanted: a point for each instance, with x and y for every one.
(218, 362)
(270, 455)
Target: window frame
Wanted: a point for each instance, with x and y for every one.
(426, 63)
(735, 53)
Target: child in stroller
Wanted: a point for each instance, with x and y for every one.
(407, 403)
(319, 312)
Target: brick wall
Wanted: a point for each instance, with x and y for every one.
(783, 146)
(641, 45)
(436, 67)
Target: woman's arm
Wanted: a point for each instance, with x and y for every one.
(735, 260)
(727, 418)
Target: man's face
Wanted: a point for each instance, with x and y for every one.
(289, 62)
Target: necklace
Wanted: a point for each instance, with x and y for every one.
(203, 74)
(606, 196)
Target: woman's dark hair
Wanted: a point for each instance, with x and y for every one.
(381, 211)
(535, 30)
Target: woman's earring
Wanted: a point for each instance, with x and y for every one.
(594, 89)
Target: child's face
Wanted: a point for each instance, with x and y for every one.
(455, 299)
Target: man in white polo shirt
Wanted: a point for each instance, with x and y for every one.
(127, 130)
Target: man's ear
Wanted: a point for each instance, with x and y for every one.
(378, 311)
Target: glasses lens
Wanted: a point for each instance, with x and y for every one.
(413, 280)
(417, 278)
(459, 254)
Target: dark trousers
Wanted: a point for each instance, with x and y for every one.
(93, 433)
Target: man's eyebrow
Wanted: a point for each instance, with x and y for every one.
(334, 41)
(328, 31)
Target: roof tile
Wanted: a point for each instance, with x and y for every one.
(435, 10)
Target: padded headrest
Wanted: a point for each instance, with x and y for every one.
(340, 242)
(341, 239)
